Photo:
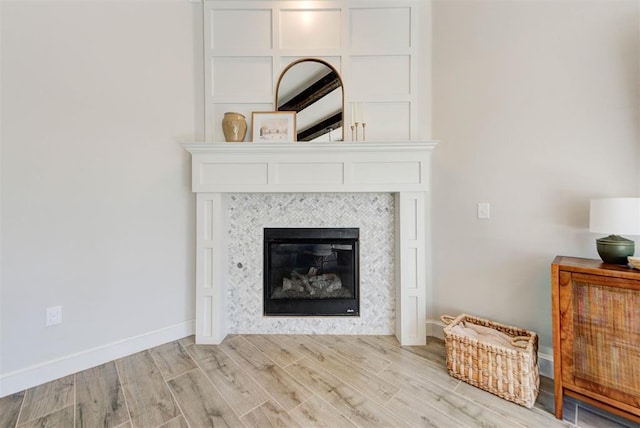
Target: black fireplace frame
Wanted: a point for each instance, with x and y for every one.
(314, 307)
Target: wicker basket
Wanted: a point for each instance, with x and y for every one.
(508, 373)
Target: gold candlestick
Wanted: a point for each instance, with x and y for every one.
(356, 131)
(352, 128)
(364, 125)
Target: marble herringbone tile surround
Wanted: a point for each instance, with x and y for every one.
(372, 213)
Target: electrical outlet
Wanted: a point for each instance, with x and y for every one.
(483, 210)
(54, 316)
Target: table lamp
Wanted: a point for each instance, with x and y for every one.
(615, 216)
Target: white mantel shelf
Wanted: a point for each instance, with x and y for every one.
(311, 167)
(399, 167)
(376, 146)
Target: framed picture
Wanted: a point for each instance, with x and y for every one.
(273, 126)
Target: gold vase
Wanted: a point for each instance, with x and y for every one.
(234, 126)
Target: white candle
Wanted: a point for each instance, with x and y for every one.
(363, 112)
(355, 115)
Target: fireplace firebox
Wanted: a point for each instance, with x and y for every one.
(311, 271)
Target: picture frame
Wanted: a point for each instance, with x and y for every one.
(273, 127)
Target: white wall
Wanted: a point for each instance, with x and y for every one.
(97, 212)
(536, 104)
(537, 107)
(1, 199)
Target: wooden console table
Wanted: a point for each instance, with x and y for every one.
(596, 334)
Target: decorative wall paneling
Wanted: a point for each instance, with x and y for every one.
(373, 44)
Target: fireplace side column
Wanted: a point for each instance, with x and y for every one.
(211, 271)
(411, 271)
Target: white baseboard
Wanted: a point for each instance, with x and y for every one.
(545, 355)
(38, 374)
(434, 329)
(545, 364)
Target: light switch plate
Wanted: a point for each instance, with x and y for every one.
(483, 210)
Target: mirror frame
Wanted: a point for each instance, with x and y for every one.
(320, 61)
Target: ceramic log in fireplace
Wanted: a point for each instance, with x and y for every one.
(311, 271)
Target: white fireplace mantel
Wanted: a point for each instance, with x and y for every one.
(401, 168)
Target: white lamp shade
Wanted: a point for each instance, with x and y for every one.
(615, 216)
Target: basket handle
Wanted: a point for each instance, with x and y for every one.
(447, 319)
(517, 341)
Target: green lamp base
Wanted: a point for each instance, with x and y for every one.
(614, 249)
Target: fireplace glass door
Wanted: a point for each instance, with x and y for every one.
(311, 271)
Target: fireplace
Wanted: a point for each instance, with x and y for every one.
(311, 272)
(223, 174)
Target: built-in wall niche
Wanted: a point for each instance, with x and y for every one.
(372, 44)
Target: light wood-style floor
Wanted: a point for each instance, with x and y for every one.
(283, 381)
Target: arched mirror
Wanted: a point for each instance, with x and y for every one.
(313, 89)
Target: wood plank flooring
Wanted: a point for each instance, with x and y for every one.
(282, 381)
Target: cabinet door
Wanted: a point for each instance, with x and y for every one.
(600, 339)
